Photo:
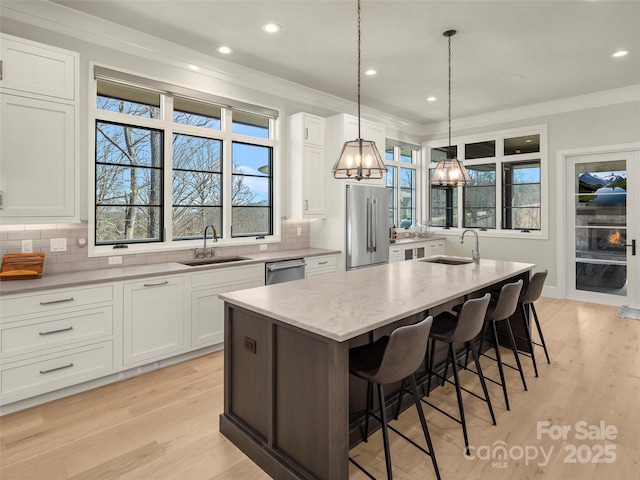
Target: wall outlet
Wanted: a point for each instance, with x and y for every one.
(263, 248)
(58, 245)
(299, 231)
(115, 260)
(27, 246)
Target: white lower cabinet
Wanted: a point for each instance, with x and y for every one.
(41, 374)
(395, 254)
(323, 265)
(422, 249)
(207, 310)
(55, 339)
(435, 247)
(153, 318)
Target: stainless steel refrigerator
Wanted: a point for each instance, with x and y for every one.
(367, 226)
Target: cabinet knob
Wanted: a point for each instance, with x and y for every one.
(306, 204)
(306, 134)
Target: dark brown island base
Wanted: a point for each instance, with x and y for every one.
(289, 401)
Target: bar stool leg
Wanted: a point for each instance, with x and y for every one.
(515, 354)
(463, 422)
(432, 349)
(525, 319)
(503, 383)
(423, 422)
(385, 433)
(544, 344)
(474, 352)
(399, 402)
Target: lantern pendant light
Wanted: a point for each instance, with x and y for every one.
(450, 173)
(359, 158)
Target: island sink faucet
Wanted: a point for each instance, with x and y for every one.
(475, 254)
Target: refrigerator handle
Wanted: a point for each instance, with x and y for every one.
(374, 230)
(368, 225)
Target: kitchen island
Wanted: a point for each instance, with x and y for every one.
(287, 388)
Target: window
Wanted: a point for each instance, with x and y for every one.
(170, 161)
(506, 169)
(521, 206)
(480, 197)
(401, 160)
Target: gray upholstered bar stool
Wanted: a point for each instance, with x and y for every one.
(504, 308)
(460, 330)
(392, 359)
(527, 297)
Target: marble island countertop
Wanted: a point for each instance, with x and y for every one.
(112, 274)
(344, 305)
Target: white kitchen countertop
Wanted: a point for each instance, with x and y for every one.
(85, 277)
(344, 305)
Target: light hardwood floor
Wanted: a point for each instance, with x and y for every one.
(164, 425)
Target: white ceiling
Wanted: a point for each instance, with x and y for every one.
(560, 48)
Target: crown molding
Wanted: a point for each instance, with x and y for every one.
(570, 104)
(66, 21)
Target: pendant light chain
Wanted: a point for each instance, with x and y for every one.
(359, 135)
(359, 159)
(450, 97)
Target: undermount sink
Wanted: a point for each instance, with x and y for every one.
(213, 261)
(448, 260)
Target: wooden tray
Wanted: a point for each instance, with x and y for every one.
(22, 266)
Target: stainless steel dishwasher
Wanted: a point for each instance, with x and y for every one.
(284, 271)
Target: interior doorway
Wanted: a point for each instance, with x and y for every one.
(601, 205)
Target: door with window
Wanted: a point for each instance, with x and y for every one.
(602, 228)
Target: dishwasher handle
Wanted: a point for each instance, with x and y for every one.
(274, 267)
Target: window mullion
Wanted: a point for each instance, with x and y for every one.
(166, 105)
(227, 175)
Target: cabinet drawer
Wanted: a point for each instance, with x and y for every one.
(55, 331)
(226, 276)
(321, 262)
(436, 248)
(55, 299)
(51, 372)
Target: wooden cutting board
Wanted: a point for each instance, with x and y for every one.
(22, 266)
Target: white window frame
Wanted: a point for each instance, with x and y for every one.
(169, 127)
(498, 160)
(415, 165)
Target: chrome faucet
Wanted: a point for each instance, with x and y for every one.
(215, 235)
(475, 254)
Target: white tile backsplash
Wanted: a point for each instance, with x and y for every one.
(76, 258)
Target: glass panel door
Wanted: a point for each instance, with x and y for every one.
(601, 228)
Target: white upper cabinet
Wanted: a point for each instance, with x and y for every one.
(306, 158)
(39, 176)
(33, 68)
(313, 130)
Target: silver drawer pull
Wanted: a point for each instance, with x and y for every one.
(156, 284)
(57, 301)
(42, 372)
(56, 331)
(323, 263)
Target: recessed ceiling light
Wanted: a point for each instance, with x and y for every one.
(370, 72)
(224, 50)
(621, 53)
(431, 99)
(271, 27)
